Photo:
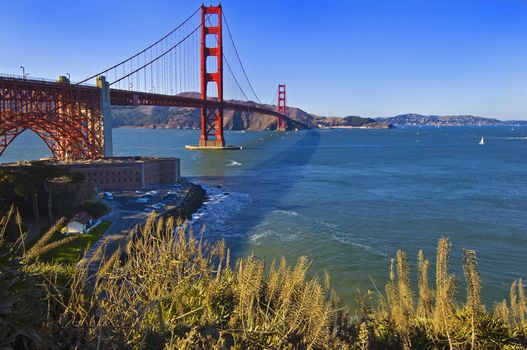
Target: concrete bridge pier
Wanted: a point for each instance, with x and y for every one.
(106, 115)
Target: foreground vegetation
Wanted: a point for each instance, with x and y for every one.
(72, 252)
(171, 290)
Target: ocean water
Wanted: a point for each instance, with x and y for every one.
(348, 199)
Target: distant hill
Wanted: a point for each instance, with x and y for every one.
(189, 118)
(449, 120)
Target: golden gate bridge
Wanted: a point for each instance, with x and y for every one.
(74, 119)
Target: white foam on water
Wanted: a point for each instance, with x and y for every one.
(197, 216)
(256, 238)
(265, 223)
(350, 241)
(512, 138)
(234, 163)
(326, 224)
(214, 215)
(286, 212)
(289, 237)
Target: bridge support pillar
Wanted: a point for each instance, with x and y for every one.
(106, 115)
(211, 118)
(211, 137)
(281, 108)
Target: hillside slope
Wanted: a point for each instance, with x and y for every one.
(189, 118)
(448, 120)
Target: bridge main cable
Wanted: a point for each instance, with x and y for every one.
(239, 60)
(155, 59)
(59, 106)
(142, 51)
(228, 64)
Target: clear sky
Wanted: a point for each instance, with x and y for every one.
(357, 57)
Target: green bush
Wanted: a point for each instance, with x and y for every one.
(76, 176)
(94, 208)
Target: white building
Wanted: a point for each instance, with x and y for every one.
(80, 223)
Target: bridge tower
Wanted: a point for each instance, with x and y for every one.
(106, 112)
(281, 108)
(211, 117)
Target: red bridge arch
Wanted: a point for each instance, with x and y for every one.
(67, 118)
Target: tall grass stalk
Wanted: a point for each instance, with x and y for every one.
(424, 306)
(171, 289)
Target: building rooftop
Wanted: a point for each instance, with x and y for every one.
(108, 160)
(82, 217)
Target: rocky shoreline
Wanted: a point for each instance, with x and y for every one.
(193, 200)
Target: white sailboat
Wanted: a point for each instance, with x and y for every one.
(482, 141)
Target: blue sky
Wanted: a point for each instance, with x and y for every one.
(358, 57)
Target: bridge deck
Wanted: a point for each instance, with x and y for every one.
(131, 98)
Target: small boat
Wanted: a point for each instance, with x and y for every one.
(234, 163)
(482, 141)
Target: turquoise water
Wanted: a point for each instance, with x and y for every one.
(349, 199)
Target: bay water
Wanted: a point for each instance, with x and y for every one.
(349, 198)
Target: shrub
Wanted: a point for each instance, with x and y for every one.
(76, 176)
(94, 208)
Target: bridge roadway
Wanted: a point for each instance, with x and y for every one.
(70, 118)
(32, 90)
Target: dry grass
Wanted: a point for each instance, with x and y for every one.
(439, 322)
(424, 306)
(176, 291)
(169, 289)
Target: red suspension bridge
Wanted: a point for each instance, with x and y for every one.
(74, 120)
